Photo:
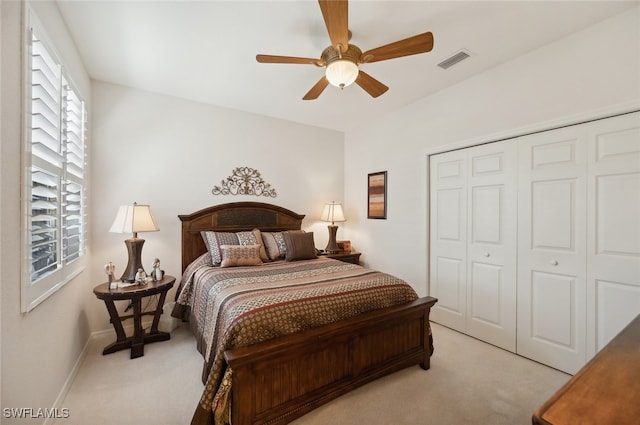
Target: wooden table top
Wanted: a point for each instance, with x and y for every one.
(605, 391)
(102, 291)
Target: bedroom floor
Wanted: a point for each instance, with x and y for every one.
(470, 382)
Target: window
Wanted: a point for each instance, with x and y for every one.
(54, 173)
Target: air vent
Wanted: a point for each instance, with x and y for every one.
(456, 58)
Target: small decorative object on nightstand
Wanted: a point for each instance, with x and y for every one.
(156, 271)
(141, 277)
(344, 246)
(110, 270)
(347, 257)
(134, 294)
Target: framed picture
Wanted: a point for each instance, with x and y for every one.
(344, 246)
(377, 195)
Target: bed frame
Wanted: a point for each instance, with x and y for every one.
(277, 381)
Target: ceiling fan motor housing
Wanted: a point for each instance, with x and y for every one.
(330, 54)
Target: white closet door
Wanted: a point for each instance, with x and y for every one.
(473, 241)
(491, 247)
(552, 248)
(613, 262)
(448, 238)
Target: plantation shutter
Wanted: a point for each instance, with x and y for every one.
(46, 160)
(72, 195)
(55, 167)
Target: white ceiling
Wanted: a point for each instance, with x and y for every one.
(205, 50)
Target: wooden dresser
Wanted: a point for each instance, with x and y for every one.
(605, 391)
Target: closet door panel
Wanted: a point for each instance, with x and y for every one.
(617, 304)
(552, 213)
(613, 266)
(491, 282)
(449, 213)
(617, 222)
(448, 239)
(486, 283)
(552, 248)
(486, 205)
(553, 301)
(449, 286)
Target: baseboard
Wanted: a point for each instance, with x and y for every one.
(58, 404)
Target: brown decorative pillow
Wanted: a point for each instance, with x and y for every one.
(213, 241)
(253, 237)
(300, 245)
(274, 244)
(240, 255)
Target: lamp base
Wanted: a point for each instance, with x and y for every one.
(332, 246)
(134, 248)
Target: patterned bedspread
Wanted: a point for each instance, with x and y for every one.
(234, 307)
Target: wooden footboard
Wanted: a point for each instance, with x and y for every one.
(280, 380)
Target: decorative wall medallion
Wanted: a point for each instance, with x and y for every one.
(244, 181)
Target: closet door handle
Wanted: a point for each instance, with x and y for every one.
(554, 262)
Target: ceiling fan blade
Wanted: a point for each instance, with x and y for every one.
(421, 43)
(336, 19)
(317, 89)
(372, 86)
(288, 59)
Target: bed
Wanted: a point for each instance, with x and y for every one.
(334, 341)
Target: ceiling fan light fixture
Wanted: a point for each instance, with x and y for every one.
(342, 72)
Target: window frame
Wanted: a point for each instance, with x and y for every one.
(34, 290)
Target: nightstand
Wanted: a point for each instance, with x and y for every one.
(347, 257)
(135, 293)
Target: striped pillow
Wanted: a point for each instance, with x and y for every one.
(274, 244)
(253, 237)
(214, 240)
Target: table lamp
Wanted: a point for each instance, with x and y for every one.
(332, 212)
(133, 219)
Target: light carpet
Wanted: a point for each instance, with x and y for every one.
(470, 382)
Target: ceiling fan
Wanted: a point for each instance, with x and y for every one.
(341, 59)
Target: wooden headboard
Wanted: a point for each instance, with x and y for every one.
(233, 217)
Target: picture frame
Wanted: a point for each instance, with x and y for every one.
(377, 195)
(344, 246)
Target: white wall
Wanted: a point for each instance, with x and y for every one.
(40, 348)
(169, 153)
(587, 71)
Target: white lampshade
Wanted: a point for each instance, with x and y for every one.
(133, 219)
(332, 212)
(342, 73)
